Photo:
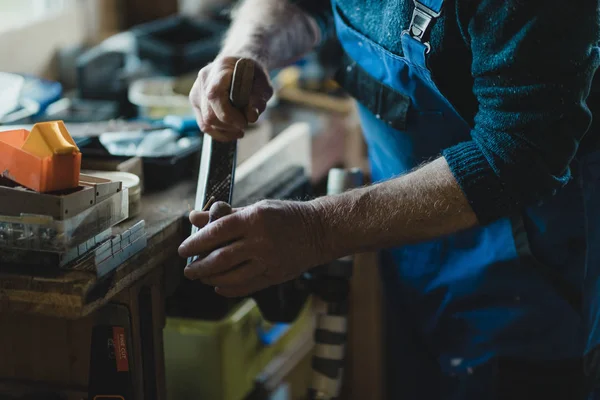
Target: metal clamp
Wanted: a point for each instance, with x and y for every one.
(421, 21)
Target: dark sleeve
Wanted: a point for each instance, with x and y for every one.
(533, 63)
(321, 11)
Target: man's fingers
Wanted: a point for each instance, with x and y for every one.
(207, 128)
(217, 93)
(239, 276)
(214, 235)
(218, 262)
(227, 114)
(214, 126)
(199, 218)
(205, 116)
(259, 283)
(252, 114)
(258, 105)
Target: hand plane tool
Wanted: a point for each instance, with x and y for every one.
(280, 303)
(218, 159)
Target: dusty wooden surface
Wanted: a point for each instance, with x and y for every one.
(75, 294)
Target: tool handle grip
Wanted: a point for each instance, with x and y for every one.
(241, 83)
(218, 210)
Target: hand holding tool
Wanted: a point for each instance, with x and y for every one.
(280, 303)
(218, 210)
(218, 159)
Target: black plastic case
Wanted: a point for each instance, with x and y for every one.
(178, 45)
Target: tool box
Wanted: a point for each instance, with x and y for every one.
(44, 233)
(158, 97)
(58, 222)
(221, 360)
(17, 201)
(177, 45)
(100, 254)
(105, 72)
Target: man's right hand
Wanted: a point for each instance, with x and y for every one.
(209, 96)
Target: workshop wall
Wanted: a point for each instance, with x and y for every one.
(37, 42)
(140, 11)
(199, 7)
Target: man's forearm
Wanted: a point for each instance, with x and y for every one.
(273, 32)
(418, 206)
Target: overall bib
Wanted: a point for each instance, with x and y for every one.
(505, 311)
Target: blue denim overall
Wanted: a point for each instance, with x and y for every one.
(496, 312)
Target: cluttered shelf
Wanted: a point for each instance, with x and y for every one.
(74, 294)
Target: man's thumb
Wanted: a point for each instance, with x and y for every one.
(252, 114)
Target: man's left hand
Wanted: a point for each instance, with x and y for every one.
(254, 247)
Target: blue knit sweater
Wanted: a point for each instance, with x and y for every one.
(519, 71)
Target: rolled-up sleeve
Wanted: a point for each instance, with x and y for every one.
(533, 64)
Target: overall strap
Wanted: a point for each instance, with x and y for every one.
(424, 13)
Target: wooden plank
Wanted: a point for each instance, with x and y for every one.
(363, 377)
(17, 389)
(43, 349)
(327, 131)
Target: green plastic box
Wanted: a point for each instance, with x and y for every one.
(220, 360)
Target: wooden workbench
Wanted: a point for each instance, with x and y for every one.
(46, 319)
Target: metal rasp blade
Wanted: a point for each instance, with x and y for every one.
(218, 159)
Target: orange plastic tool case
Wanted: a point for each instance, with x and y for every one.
(45, 159)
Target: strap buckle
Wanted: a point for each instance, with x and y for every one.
(421, 20)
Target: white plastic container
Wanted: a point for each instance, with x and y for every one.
(157, 97)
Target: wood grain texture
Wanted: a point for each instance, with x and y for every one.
(53, 352)
(241, 83)
(363, 377)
